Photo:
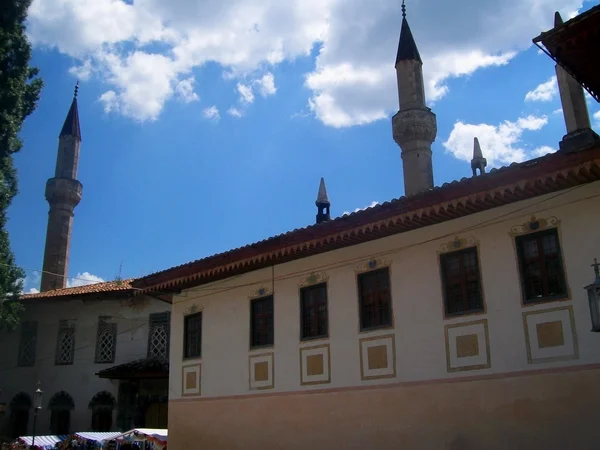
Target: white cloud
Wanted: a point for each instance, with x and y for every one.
(596, 117)
(83, 279)
(246, 94)
(212, 112)
(266, 85)
(143, 50)
(543, 150)
(185, 90)
(500, 144)
(234, 112)
(373, 203)
(544, 92)
(33, 291)
(557, 111)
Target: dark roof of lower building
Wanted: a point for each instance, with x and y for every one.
(519, 181)
(575, 46)
(151, 367)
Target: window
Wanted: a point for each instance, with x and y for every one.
(261, 322)
(158, 336)
(375, 301)
(461, 282)
(65, 348)
(540, 266)
(19, 414)
(192, 336)
(27, 344)
(60, 406)
(313, 311)
(106, 341)
(102, 406)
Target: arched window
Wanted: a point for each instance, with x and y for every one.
(60, 406)
(102, 405)
(19, 414)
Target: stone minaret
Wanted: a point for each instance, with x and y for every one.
(322, 203)
(478, 161)
(414, 125)
(63, 193)
(577, 120)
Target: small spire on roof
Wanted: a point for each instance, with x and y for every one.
(478, 161)
(322, 198)
(557, 19)
(76, 89)
(403, 10)
(322, 203)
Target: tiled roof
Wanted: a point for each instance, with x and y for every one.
(151, 367)
(96, 288)
(519, 181)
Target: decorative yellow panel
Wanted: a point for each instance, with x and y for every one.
(550, 335)
(190, 377)
(261, 371)
(315, 365)
(467, 346)
(377, 357)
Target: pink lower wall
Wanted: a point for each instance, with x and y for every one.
(549, 411)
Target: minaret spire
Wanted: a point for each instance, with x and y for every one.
(322, 203)
(478, 161)
(63, 193)
(414, 126)
(577, 120)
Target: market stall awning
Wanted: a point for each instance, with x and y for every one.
(45, 442)
(158, 436)
(151, 367)
(575, 46)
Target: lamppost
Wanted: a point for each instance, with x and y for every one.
(37, 405)
(593, 291)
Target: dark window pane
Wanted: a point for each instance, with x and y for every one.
(313, 311)
(375, 299)
(540, 264)
(461, 282)
(193, 335)
(261, 322)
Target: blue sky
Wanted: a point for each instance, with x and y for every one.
(201, 138)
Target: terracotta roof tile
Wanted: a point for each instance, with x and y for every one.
(96, 288)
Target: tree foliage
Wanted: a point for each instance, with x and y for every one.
(20, 89)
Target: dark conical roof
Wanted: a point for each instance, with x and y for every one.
(558, 21)
(407, 49)
(71, 125)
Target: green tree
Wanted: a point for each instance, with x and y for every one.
(20, 89)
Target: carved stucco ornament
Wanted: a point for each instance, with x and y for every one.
(534, 224)
(458, 243)
(314, 278)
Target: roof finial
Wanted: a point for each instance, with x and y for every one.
(76, 89)
(403, 10)
(478, 161)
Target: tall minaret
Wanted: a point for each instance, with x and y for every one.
(577, 120)
(63, 193)
(414, 125)
(322, 203)
(478, 161)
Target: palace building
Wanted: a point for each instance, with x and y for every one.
(453, 317)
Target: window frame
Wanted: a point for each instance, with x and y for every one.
(253, 302)
(112, 328)
(444, 280)
(65, 328)
(519, 248)
(29, 329)
(359, 280)
(156, 320)
(185, 335)
(315, 309)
